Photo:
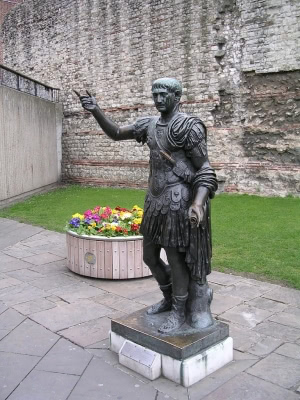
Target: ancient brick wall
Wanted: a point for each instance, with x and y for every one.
(5, 7)
(238, 62)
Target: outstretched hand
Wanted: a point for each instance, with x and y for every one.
(88, 101)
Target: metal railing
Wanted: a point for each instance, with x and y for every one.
(18, 81)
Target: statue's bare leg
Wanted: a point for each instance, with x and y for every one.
(180, 281)
(161, 273)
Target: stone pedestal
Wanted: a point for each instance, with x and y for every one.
(184, 358)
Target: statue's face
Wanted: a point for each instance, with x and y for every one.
(164, 100)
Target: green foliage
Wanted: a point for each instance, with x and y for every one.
(257, 235)
(251, 234)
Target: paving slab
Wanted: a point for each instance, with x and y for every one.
(8, 263)
(281, 370)
(53, 268)
(110, 357)
(267, 304)
(13, 369)
(162, 396)
(243, 337)
(289, 350)
(53, 282)
(43, 258)
(126, 288)
(118, 303)
(59, 251)
(285, 318)
(245, 315)
(9, 319)
(29, 338)
(63, 317)
(15, 232)
(285, 295)
(3, 333)
(279, 331)
(45, 385)
(215, 287)
(3, 308)
(261, 283)
(34, 306)
(8, 282)
(223, 279)
(25, 275)
(65, 358)
(103, 381)
(89, 332)
(149, 298)
(103, 344)
(170, 388)
(217, 379)
(243, 290)
(222, 303)
(20, 294)
(247, 387)
(78, 291)
(265, 346)
(18, 251)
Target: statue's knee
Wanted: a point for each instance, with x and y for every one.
(149, 259)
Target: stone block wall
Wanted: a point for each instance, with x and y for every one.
(238, 62)
(5, 7)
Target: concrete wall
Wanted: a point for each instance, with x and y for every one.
(30, 144)
(238, 61)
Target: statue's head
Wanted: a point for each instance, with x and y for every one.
(166, 94)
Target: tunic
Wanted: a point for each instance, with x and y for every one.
(172, 185)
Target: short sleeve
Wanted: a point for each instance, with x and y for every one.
(195, 143)
(141, 129)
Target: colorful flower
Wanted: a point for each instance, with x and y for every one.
(104, 221)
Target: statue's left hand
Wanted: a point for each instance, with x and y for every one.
(196, 214)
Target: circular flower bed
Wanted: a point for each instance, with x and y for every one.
(106, 243)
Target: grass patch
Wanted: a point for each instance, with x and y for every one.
(257, 235)
(252, 235)
(53, 209)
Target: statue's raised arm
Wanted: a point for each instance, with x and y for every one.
(109, 127)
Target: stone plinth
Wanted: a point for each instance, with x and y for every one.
(184, 358)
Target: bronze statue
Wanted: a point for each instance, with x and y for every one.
(177, 204)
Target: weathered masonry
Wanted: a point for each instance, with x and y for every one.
(238, 60)
(30, 136)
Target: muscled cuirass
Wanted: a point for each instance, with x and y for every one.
(166, 189)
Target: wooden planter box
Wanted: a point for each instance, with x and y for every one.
(106, 258)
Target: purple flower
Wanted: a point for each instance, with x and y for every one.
(96, 217)
(88, 221)
(75, 222)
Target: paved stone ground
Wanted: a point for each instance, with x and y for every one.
(54, 330)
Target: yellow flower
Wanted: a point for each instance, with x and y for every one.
(140, 213)
(89, 227)
(113, 227)
(114, 211)
(93, 224)
(77, 215)
(137, 221)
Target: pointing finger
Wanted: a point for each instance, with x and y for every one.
(78, 94)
